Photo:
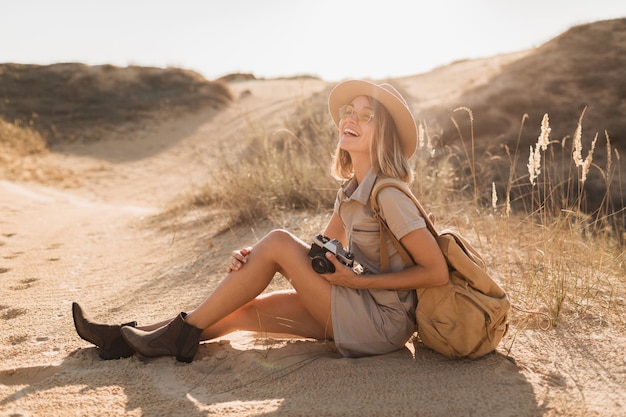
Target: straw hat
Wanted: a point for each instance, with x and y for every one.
(395, 104)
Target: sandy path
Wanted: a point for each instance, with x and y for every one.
(87, 242)
(90, 242)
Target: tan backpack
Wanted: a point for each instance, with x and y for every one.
(468, 316)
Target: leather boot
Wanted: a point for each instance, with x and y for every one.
(178, 338)
(107, 337)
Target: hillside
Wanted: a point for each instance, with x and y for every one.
(76, 102)
(580, 70)
(585, 67)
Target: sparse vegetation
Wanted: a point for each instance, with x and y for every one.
(580, 69)
(551, 249)
(551, 252)
(283, 170)
(72, 102)
(42, 106)
(16, 143)
(547, 250)
(18, 140)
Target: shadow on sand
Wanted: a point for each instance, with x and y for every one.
(290, 377)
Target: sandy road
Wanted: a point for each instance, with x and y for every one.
(91, 242)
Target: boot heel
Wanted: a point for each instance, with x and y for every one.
(106, 337)
(185, 359)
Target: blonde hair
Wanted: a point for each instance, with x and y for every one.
(388, 159)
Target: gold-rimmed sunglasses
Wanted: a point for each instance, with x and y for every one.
(364, 115)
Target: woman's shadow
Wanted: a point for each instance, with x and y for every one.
(286, 376)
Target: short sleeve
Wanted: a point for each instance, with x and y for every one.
(400, 212)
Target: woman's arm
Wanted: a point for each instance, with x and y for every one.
(431, 269)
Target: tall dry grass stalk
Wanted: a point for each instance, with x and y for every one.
(470, 154)
(571, 266)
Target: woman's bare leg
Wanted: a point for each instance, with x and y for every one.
(276, 312)
(306, 312)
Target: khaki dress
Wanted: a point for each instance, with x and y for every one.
(370, 322)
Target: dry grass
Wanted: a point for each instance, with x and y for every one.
(581, 69)
(547, 251)
(553, 253)
(17, 143)
(278, 171)
(19, 140)
(549, 217)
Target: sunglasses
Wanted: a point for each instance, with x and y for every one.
(364, 115)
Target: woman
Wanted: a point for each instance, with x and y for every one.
(365, 313)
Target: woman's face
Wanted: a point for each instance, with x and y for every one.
(355, 137)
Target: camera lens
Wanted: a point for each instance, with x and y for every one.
(321, 265)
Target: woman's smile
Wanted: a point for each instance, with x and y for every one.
(356, 135)
(350, 132)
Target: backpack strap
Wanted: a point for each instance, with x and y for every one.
(384, 253)
(384, 227)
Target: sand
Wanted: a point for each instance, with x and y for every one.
(94, 236)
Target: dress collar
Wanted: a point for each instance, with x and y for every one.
(360, 192)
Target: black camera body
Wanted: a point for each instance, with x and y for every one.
(322, 244)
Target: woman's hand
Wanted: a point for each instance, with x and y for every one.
(238, 258)
(343, 276)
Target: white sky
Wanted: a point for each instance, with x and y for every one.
(333, 39)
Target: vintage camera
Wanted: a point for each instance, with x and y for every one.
(321, 244)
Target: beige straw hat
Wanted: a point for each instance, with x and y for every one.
(395, 104)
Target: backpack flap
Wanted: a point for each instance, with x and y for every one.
(460, 259)
(457, 321)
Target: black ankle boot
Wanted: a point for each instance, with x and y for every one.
(178, 338)
(107, 337)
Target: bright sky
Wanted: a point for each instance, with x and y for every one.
(333, 39)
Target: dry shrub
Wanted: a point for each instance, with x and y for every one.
(18, 140)
(18, 144)
(22, 157)
(286, 169)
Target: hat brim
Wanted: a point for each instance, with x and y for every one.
(389, 97)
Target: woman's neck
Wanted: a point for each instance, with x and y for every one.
(361, 168)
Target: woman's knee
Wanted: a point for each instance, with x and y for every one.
(284, 239)
(283, 248)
